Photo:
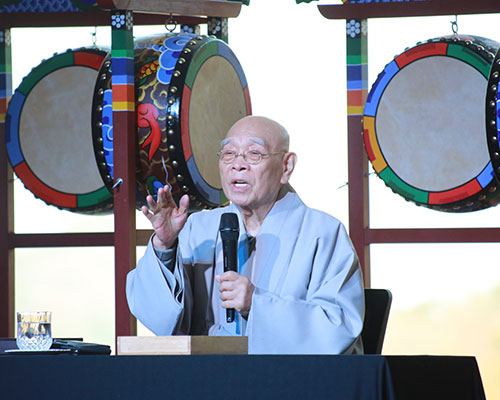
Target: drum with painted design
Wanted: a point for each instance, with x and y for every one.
(189, 90)
(424, 124)
(49, 133)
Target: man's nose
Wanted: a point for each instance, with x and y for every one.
(240, 162)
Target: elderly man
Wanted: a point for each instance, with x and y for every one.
(299, 285)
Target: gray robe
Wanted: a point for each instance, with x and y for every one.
(308, 296)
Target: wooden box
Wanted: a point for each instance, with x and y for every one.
(181, 345)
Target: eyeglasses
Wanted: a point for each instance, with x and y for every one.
(251, 157)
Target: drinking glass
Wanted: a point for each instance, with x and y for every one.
(34, 330)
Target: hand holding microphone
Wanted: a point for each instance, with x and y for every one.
(236, 290)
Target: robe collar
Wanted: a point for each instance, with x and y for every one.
(275, 240)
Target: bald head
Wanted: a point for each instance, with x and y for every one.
(262, 130)
(255, 186)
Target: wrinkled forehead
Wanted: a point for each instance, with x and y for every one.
(243, 141)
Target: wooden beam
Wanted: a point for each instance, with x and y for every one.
(93, 239)
(84, 18)
(408, 9)
(124, 152)
(142, 236)
(421, 235)
(437, 235)
(213, 8)
(357, 90)
(87, 239)
(6, 197)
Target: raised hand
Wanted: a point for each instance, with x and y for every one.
(166, 218)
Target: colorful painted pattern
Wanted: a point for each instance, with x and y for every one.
(170, 50)
(122, 61)
(166, 68)
(357, 66)
(162, 67)
(5, 72)
(107, 130)
(461, 198)
(16, 6)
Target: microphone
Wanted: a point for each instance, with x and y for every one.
(229, 231)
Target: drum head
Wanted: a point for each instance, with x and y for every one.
(49, 134)
(424, 124)
(215, 96)
(213, 109)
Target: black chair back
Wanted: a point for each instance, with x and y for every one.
(377, 307)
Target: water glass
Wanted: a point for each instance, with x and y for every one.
(34, 330)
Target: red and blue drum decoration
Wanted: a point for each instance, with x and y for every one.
(424, 124)
(49, 133)
(190, 90)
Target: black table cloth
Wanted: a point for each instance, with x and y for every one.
(369, 377)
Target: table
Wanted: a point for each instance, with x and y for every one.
(240, 377)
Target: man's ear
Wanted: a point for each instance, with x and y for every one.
(289, 162)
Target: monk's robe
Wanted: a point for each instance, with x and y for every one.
(308, 296)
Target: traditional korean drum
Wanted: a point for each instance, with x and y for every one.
(424, 124)
(49, 133)
(190, 90)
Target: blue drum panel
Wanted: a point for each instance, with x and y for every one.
(12, 128)
(378, 88)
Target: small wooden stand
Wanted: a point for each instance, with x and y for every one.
(181, 345)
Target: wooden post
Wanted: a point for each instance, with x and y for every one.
(357, 90)
(6, 195)
(218, 27)
(124, 132)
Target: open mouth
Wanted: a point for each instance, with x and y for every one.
(239, 183)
